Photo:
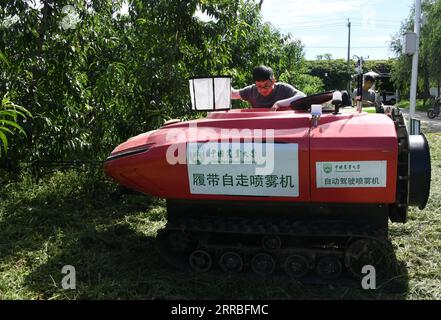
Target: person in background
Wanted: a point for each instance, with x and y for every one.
(370, 97)
(266, 92)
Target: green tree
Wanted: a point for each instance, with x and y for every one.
(430, 44)
(333, 73)
(109, 76)
(326, 56)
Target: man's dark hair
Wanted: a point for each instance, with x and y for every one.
(263, 73)
(369, 78)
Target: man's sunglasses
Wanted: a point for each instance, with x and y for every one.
(268, 86)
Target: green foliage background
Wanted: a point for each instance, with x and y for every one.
(114, 76)
(430, 47)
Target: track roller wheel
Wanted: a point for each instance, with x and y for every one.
(329, 267)
(297, 266)
(366, 252)
(263, 264)
(200, 261)
(231, 262)
(271, 243)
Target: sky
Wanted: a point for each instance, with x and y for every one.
(321, 25)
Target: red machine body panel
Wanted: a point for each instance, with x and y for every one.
(141, 162)
(150, 172)
(344, 141)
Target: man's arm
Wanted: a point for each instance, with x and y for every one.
(243, 94)
(287, 102)
(235, 94)
(354, 97)
(378, 103)
(370, 100)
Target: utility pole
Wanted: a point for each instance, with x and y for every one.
(359, 84)
(349, 55)
(414, 83)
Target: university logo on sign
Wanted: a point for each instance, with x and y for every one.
(327, 168)
(351, 174)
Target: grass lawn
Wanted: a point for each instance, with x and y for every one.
(370, 110)
(70, 219)
(405, 104)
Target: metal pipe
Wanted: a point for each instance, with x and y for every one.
(360, 85)
(349, 55)
(414, 82)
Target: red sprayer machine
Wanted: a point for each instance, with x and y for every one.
(307, 191)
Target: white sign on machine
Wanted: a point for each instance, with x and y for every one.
(233, 169)
(351, 174)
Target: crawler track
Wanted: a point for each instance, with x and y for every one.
(313, 251)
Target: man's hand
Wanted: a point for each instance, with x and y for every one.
(235, 94)
(275, 107)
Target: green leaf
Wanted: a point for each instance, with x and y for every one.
(6, 129)
(4, 59)
(22, 109)
(13, 124)
(5, 141)
(12, 114)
